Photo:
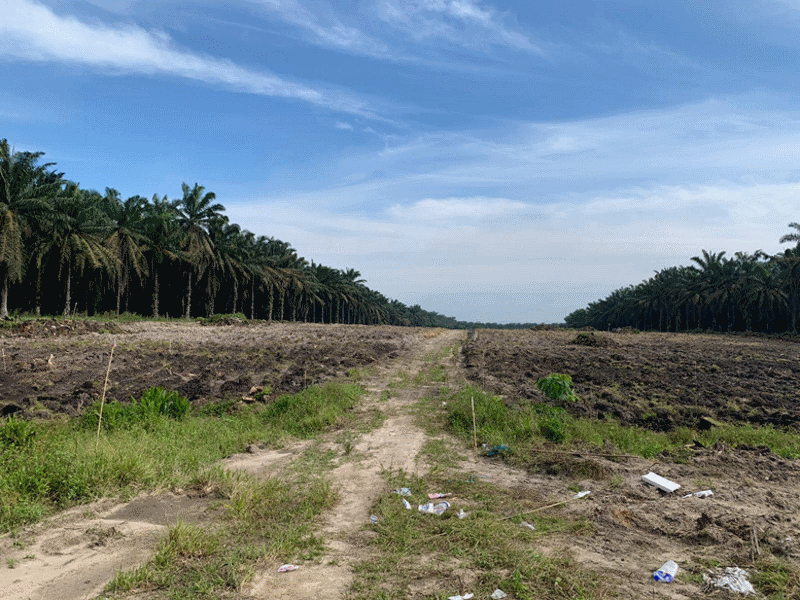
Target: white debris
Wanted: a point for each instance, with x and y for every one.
(460, 597)
(660, 482)
(528, 525)
(703, 494)
(498, 594)
(732, 578)
(581, 495)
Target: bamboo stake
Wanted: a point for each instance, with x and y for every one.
(474, 426)
(103, 397)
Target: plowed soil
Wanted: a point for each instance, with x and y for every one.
(659, 381)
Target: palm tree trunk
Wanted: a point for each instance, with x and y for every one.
(189, 296)
(271, 296)
(4, 299)
(253, 300)
(155, 291)
(69, 288)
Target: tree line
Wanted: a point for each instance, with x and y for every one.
(67, 250)
(747, 292)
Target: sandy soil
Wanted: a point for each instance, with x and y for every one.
(754, 508)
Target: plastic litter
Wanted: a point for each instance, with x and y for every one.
(287, 568)
(494, 450)
(498, 594)
(581, 495)
(435, 496)
(462, 514)
(528, 525)
(460, 597)
(732, 578)
(374, 519)
(434, 509)
(403, 491)
(666, 573)
(703, 494)
(665, 485)
(406, 504)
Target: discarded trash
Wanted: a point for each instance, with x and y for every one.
(732, 578)
(703, 494)
(406, 504)
(498, 594)
(462, 514)
(580, 495)
(434, 509)
(374, 519)
(435, 496)
(528, 525)
(460, 597)
(661, 483)
(666, 573)
(287, 568)
(444, 404)
(403, 491)
(494, 450)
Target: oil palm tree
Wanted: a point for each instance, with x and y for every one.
(195, 212)
(127, 240)
(163, 239)
(79, 231)
(26, 193)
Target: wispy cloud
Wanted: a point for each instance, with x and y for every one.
(458, 22)
(457, 208)
(343, 125)
(322, 27)
(32, 32)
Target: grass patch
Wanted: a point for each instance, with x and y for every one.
(270, 520)
(525, 427)
(416, 554)
(59, 467)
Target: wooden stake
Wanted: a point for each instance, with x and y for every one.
(474, 426)
(4, 358)
(103, 397)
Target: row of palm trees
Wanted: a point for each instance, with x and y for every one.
(64, 249)
(746, 292)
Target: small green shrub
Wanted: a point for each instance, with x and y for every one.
(17, 432)
(557, 386)
(553, 423)
(160, 402)
(154, 404)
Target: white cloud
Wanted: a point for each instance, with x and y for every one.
(32, 32)
(456, 208)
(459, 22)
(324, 28)
(343, 125)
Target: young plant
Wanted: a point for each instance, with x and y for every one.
(557, 386)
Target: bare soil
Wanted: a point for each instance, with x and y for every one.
(755, 508)
(659, 381)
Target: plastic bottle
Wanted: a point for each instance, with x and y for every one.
(667, 572)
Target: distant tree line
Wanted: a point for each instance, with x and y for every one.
(747, 292)
(66, 250)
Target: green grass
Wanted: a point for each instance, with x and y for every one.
(416, 552)
(271, 520)
(59, 466)
(526, 427)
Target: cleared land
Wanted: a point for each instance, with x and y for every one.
(645, 401)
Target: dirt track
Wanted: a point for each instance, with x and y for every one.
(636, 527)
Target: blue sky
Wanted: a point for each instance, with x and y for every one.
(494, 161)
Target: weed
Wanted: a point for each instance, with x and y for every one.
(557, 387)
(312, 410)
(16, 432)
